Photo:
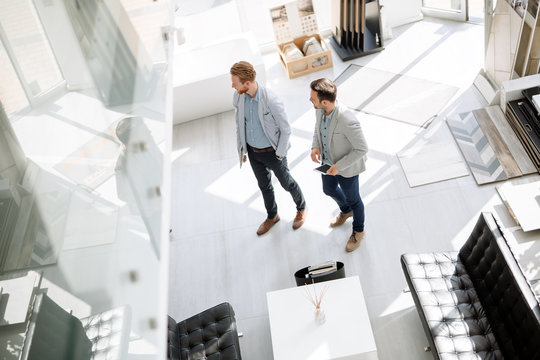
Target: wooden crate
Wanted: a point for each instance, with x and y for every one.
(305, 63)
(294, 22)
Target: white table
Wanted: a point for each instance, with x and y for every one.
(346, 334)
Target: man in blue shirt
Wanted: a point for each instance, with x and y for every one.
(338, 141)
(263, 132)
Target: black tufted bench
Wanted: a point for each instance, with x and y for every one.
(475, 303)
(210, 335)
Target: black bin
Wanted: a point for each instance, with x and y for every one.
(301, 279)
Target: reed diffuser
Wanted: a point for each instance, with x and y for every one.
(316, 300)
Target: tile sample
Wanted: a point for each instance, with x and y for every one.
(395, 96)
(476, 149)
(489, 145)
(431, 163)
(510, 139)
(497, 143)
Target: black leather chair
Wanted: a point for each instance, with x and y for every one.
(211, 335)
(475, 303)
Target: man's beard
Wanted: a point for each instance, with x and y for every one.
(243, 91)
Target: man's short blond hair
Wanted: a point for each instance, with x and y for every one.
(244, 71)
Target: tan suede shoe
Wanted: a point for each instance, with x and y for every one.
(354, 240)
(340, 219)
(299, 219)
(267, 224)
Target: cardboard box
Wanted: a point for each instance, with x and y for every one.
(293, 23)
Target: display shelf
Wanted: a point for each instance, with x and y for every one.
(356, 27)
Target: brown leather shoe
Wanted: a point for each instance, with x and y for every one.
(340, 219)
(354, 240)
(299, 219)
(267, 224)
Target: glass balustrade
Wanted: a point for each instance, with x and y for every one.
(84, 181)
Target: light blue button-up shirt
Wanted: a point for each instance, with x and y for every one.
(325, 125)
(255, 136)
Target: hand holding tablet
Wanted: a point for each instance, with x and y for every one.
(322, 169)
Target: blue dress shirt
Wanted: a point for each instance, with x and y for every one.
(255, 136)
(325, 125)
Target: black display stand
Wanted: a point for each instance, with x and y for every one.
(356, 27)
(301, 279)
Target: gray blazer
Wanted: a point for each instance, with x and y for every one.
(347, 144)
(273, 119)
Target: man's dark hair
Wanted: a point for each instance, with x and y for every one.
(325, 89)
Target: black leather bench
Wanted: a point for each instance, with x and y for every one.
(475, 303)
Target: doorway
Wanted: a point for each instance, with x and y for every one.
(458, 10)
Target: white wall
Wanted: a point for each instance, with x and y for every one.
(248, 15)
(400, 12)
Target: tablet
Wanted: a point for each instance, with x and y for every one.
(323, 168)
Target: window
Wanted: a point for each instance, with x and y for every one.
(25, 43)
(11, 92)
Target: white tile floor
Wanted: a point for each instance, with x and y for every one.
(216, 255)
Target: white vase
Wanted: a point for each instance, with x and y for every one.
(320, 317)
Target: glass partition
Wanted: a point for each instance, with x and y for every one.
(84, 181)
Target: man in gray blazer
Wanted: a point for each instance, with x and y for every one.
(338, 141)
(263, 132)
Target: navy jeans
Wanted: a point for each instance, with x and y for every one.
(262, 163)
(345, 193)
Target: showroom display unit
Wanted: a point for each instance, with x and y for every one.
(520, 102)
(356, 28)
(527, 58)
(297, 34)
(512, 46)
(524, 121)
